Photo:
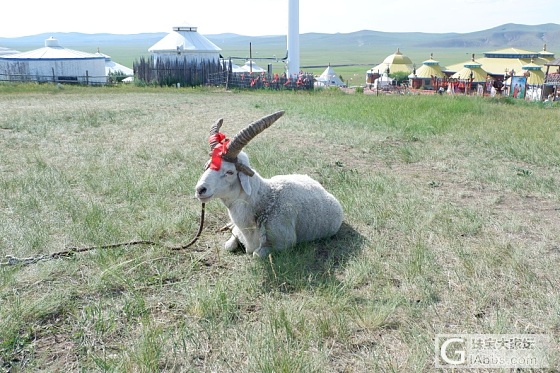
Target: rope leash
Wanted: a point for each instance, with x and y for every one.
(12, 260)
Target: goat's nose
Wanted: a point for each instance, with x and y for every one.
(201, 190)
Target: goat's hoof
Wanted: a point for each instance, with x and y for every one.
(262, 252)
(232, 244)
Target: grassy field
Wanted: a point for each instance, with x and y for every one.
(452, 225)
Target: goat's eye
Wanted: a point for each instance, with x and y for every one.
(229, 172)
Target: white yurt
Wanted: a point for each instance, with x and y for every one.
(111, 67)
(53, 63)
(329, 78)
(251, 67)
(185, 42)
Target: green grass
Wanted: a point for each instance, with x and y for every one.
(451, 226)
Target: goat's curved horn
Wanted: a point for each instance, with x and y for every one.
(214, 130)
(248, 133)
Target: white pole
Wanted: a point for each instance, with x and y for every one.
(293, 37)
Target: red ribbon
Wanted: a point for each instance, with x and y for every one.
(218, 151)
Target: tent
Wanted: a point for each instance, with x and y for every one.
(329, 78)
(112, 67)
(234, 68)
(383, 81)
(251, 66)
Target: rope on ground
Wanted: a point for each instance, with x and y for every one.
(12, 260)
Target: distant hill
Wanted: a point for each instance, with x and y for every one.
(508, 35)
(365, 47)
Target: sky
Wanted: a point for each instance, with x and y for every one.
(270, 17)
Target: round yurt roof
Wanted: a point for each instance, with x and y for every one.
(396, 62)
(478, 74)
(531, 66)
(533, 72)
(535, 77)
(471, 69)
(184, 38)
(398, 58)
(429, 68)
(53, 51)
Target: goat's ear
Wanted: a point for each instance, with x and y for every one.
(245, 183)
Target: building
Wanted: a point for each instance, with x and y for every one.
(394, 63)
(53, 63)
(501, 63)
(425, 75)
(184, 43)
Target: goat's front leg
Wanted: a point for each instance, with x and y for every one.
(233, 243)
(264, 245)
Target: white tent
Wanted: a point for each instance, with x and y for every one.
(383, 81)
(250, 66)
(234, 68)
(113, 67)
(329, 78)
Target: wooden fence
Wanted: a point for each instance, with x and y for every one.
(165, 72)
(186, 73)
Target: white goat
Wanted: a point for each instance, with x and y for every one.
(266, 214)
